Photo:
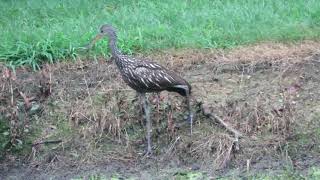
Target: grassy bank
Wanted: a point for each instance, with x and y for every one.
(35, 31)
(269, 93)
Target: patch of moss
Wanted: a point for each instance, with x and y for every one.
(192, 175)
(314, 173)
(23, 143)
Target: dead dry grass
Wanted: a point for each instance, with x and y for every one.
(264, 91)
(267, 51)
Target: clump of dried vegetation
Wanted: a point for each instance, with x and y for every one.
(83, 112)
(18, 105)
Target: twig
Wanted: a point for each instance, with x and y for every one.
(170, 148)
(50, 79)
(172, 145)
(26, 100)
(11, 91)
(212, 116)
(90, 98)
(47, 142)
(226, 157)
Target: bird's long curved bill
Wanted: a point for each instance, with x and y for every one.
(93, 41)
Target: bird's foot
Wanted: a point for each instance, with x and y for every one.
(148, 154)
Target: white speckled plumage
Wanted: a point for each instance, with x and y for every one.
(145, 76)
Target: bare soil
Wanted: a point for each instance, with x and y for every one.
(269, 92)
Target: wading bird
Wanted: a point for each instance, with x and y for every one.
(145, 77)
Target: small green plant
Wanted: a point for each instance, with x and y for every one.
(190, 176)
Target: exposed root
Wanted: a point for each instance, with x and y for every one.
(207, 113)
(213, 117)
(47, 142)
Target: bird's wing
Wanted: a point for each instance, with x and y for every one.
(149, 65)
(152, 76)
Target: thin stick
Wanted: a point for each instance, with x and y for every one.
(172, 145)
(26, 100)
(213, 117)
(47, 142)
(11, 91)
(226, 157)
(90, 98)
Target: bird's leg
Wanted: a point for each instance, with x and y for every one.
(190, 115)
(139, 98)
(147, 115)
(140, 106)
(170, 121)
(158, 112)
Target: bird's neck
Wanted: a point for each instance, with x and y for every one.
(113, 47)
(116, 54)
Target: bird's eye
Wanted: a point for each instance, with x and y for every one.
(101, 31)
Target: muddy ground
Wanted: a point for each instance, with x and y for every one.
(78, 119)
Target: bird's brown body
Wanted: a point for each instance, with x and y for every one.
(145, 76)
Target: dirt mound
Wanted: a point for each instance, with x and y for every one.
(82, 113)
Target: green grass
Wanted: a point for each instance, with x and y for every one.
(37, 31)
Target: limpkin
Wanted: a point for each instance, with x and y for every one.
(145, 77)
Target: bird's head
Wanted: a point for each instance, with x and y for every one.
(105, 30)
